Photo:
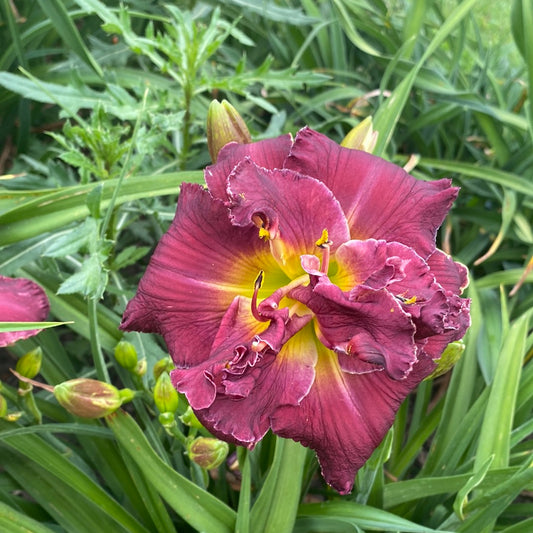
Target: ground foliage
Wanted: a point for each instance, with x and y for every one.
(102, 116)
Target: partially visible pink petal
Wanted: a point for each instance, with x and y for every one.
(344, 416)
(198, 268)
(372, 329)
(292, 208)
(380, 199)
(269, 153)
(246, 397)
(21, 300)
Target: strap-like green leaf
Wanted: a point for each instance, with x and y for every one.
(196, 506)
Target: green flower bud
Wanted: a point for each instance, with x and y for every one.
(224, 125)
(126, 355)
(189, 419)
(165, 395)
(167, 419)
(451, 354)
(140, 367)
(3, 407)
(163, 365)
(362, 137)
(29, 365)
(90, 398)
(207, 452)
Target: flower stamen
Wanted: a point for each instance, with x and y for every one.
(257, 285)
(325, 244)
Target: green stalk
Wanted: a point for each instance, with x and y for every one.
(96, 348)
(275, 508)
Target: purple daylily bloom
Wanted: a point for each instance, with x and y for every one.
(21, 300)
(303, 293)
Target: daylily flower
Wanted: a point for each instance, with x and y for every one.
(21, 300)
(303, 293)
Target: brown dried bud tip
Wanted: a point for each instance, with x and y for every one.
(207, 452)
(90, 398)
(224, 125)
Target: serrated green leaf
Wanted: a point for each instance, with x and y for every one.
(90, 280)
(74, 241)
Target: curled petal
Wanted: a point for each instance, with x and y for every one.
(241, 409)
(380, 200)
(198, 268)
(344, 416)
(291, 209)
(373, 328)
(21, 300)
(451, 275)
(403, 273)
(269, 153)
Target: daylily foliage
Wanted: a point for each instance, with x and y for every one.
(302, 292)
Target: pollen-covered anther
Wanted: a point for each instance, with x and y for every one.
(261, 221)
(324, 241)
(324, 244)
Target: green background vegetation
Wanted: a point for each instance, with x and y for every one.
(102, 117)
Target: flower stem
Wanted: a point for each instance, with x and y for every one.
(276, 506)
(96, 348)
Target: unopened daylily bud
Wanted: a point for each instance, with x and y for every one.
(452, 353)
(29, 365)
(163, 365)
(208, 452)
(90, 398)
(126, 355)
(167, 419)
(140, 367)
(3, 407)
(189, 419)
(362, 137)
(165, 395)
(224, 125)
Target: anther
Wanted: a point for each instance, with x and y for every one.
(324, 243)
(257, 285)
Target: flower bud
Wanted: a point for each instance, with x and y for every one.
(362, 137)
(90, 398)
(141, 367)
(224, 125)
(165, 395)
(163, 365)
(3, 407)
(451, 354)
(207, 452)
(126, 355)
(167, 419)
(29, 365)
(189, 419)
